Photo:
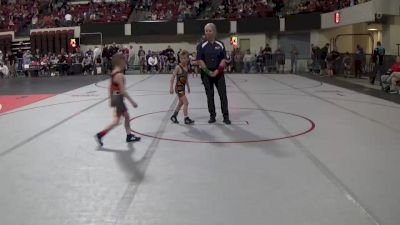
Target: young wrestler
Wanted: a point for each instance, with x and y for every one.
(117, 94)
(181, 74)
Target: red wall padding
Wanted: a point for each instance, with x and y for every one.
(50, 41)
(8, 43)
(57, 40)
(38, 42)
(45, 49)
(33, 42)
(64, 44)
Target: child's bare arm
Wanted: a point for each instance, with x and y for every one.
(119, 79)
(187, 84)
(174, 73)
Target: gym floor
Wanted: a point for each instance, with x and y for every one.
(300, 150)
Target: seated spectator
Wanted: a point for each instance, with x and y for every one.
(171, 63)
(4, 72)
(87, 65)
(98, 65)
(260, 64)
(62, 63)
(45, 63)
(152, 62)
(163, 62)
(394, 76)
(1, 57)
(229, 63)
(53, 64)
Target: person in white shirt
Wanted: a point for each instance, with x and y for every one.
(4, 72)
(96, 52)
(68, 19)
(247, 59)
(87, 65)
(152, 62)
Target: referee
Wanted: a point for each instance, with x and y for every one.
(211, 55)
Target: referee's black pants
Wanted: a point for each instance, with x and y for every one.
(219, 82)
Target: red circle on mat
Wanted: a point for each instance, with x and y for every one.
(308, 130)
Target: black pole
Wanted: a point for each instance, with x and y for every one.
(398, 49)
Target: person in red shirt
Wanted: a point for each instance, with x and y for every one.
(394, 76)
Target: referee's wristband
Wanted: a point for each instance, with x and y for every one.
(206, 71)
(221, 69)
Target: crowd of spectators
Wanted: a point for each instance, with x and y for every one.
(92, 61)
(61, 14)
(236, 9)
(310, 6)
(172, 10)
(17, 15)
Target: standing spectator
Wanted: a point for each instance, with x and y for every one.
(37, 55)
(316, 58)
(106, 62)
(163, 62)
(68, 19)
(169, 50)
(178, 55)
(27, 62)
(96, 52)
(11, 62)
(294, 55)
(238, 61)
(125, 53)
(360, 55)
(323, 55)
(142, 59)
(379, 54)
(335, 57)
(280, 58)
(35, 20)
(247, 60)
(260, 62)
(268, 57)
(131, 57)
